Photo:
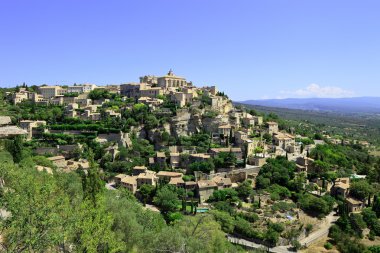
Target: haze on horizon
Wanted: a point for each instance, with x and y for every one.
(250, 49)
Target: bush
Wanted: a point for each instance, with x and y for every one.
(328, 246)
(315, 206)
(226, 221)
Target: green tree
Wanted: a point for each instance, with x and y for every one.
(245, 189)
(93, 229)
(203, 166)
(361, 189)
(147, 192)
(15, 147)
(167, 199)
(226, 221)
(92, 183)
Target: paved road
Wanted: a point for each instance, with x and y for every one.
(252, 245)
(322, 231)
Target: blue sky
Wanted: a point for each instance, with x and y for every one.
(250, 49)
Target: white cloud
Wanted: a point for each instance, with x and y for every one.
(317, 91)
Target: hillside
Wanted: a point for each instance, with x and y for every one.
(341, 105)
(354, 125)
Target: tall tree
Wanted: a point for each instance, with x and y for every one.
(92, 183)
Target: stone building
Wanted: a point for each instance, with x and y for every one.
(354, 205)
(130, 183)
(341, 187)
(167, 176)
(23, 94)
(33, 127)
(205, 188)
(83, 88)
(51, 91)
(283, 140)
(272, 127)
(152, 80)
(171, 81)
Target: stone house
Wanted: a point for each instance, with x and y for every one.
(177, 181)
(151, 102)
(248, 122)
(166, 176)
(7, 130)
(354, 205)
(294, 148)
(148, 177)
(51, 91)
(175, 160)
(130, 183)
(205, 188)
(199, 157)
(272, 127)
(258, 120)
(182, 98)
(137, 170)
(159, 159)
(151, 92)
(83, 88)
(190, 185)
(257, 161)
(341, 187)
(23, 94)
(283, 140)
(149, 79)
(209, 90)
(305, 164)
(33, 127)
(131, 90)
(240, 137)
(237, 151)
(118, 178)
(222, 182)
(224, 130)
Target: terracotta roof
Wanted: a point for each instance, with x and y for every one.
(354, 201)
(120, 176)
(283, 136)
(169, 174)
(221, 180)
(217, 150)
(343, 183)
(161, 154)
(200, 155)
(148, 175)
(129, 180)
(176, 180)
(206, 184)
(8, 131)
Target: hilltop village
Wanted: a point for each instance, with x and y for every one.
(185, 150)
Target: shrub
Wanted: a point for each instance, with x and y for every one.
(328, 246)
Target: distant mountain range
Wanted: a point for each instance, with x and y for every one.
(339, 105)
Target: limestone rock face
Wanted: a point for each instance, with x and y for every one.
(180, 123)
